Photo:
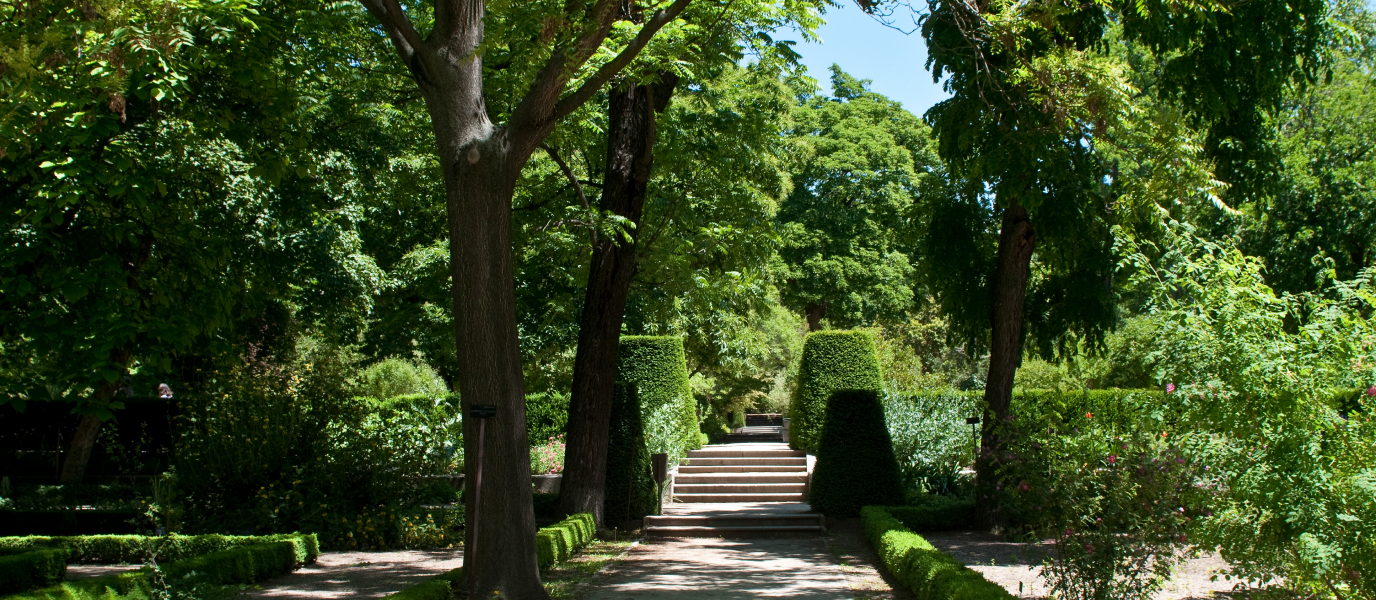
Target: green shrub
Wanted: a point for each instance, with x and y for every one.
(931, 439)
(244, 564)
(936, 513)
(134, 548)
(855, 462)
(439, 587)
(924, 570)
(832, 360)
(394, 377)
(547, 416)
(630, 490)
(125, 586)
(658, 369)
(344, 468)
(39, 568)
(556, 543)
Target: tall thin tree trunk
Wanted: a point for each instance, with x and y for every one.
(84, 440)
(814, 312)
(630, 156)
(1017, 239)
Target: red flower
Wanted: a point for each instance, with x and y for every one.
(1113, 458)
(1089, 415)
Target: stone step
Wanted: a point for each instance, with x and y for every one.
(735, 532)
(800, 468)
(780, 497)
(747, 461)
(709, 477)
(724, 451)
(744, 438)
(758, 520)
(681, 489)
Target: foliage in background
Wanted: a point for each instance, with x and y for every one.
(831, 360)
(392, 377)
(286, 450)
(847, 227)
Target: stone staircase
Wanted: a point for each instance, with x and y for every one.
(739, 490)
(758, 428)
(742, 473)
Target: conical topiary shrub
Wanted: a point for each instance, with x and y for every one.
(657, 368)
(630, 490)
(832, 360)
(855, 462)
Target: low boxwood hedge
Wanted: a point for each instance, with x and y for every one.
(936, 513)
(926, 571)
(39, 568)
(170, 548)
(439, 587)
(243, 564)
(556, 543)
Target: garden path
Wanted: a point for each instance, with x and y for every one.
(359, 574)
(722, 569)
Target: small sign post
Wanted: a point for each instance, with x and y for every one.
(972, 422)
(480, 412)
(659, 464)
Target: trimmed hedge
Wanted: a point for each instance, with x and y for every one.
(832, 360)
(855, 461)
(547, 416)
(926, 571)
(133, 548)
(629, 492)
(556, 543)
(243, 564)
(439, 587)
(29, 570)
(936, 513)
(659, 371)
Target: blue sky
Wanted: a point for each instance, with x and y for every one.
(867, 49)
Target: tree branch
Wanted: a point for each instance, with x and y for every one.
(571, 102)
(563, 166)
(398, 27)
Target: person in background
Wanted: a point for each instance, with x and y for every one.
(164, 391)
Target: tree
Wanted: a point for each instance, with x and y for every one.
(1034, 96)
(481, 162)
(134, 207)
(631, 124)
(846, 230)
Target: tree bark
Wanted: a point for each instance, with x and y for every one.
(480, 163)
(630, 156)
(84, 440)
(1017, 239)
(814, 312)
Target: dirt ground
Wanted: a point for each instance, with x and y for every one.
(1014, 566)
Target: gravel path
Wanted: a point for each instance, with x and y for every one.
(720, 569)
(359, 574)
(1011, 564)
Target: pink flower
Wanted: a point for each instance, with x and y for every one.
(1112, 458)
(1371, 391)
(1170, 387)
(1023, 487)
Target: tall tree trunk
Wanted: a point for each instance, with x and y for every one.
(630, 155)
(1017, 239)
(814, 312)
(480, 164)
(84, 440)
